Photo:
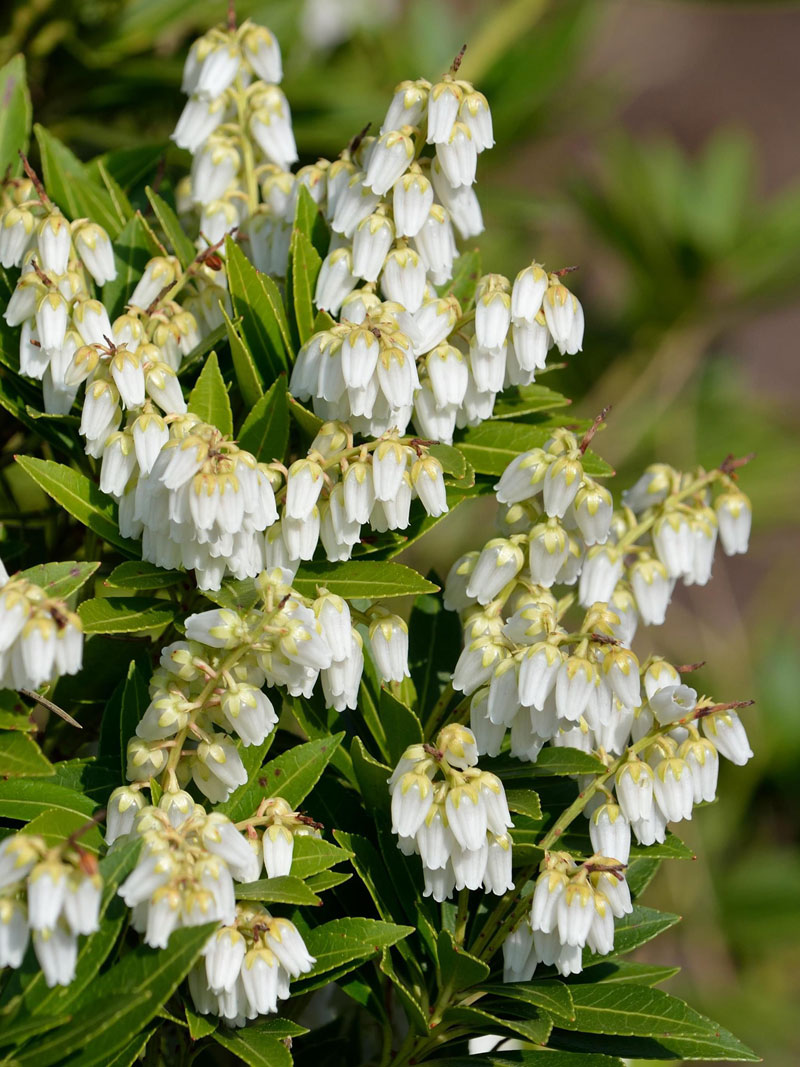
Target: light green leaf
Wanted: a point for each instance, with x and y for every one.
(59, 579)
(301, 280)
(640, 1011)
(292, 775)
(209, 399)
(80, 497)
(257, 302)
(491, 446)
(522, 400)
(327, 880)
(15, 115)
(56, 825)
(361, 578)
(86, 1026)
(265, 431)
(24, 798)
(138, 574)
(21, 756)
(524, 802)
(181, 243)
(313, 854)
(14, 713)
(124, 615)
(348, 941)
(248, 376)
(284, 890)
(308, 422)
(261, 1045)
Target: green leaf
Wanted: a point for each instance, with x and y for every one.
(80, 497)
(533, 1026)
(21, 756)
(170, 223)
(371, 776)
(466, 272)
(551, 762)
(15, 115)
(361, 578)
(257, 302)
(313, 854)
(459, 969)
(124, 615)
(522, 400)
(308, 422)
(431, 627)
(23, 799)
(643, 924)
(70, 186)
(262, 1044)
(85, 1026)
(626, 971)
(524, 802)
(14, 713)
(308, 219)
(209, 399)
(265, 431)
(248, 376)
(327, 880)
(640, 1011)
(286, 889)
(138, 574)
(128, 166)
(55, 826)
(199, 1025)
(17, 1033)
(491, 446)
(348, 941)
(292, 775)
(415, 1009)
(121, 716)
(554, 997)
(133, 247)
(400, 723)
(301, 280)
(59, 579)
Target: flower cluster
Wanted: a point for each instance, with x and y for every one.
(247, 966)
(281, 825)
(458, 824)
(40, 638)
(573, 906)
(185, 872)
(53, 892)
(237, 125)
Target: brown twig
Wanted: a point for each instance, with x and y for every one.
(730, 463)
(34, 177)
(45, 703)
(458, 60)
(598, 421)
(353, 147)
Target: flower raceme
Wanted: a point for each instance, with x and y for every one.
(458, 824)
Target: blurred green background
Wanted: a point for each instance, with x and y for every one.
(654, 145)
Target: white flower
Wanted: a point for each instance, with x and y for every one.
(734, 514)
(224, 956)
(527, 293)
(82, 902)
(523, 478)
(407, 106)
(458, 156)
(548, 550)
(564, 317)
(220, 759)
(390, 157)
(652, 588)
(57, 952)
(388, 637)
(286, 943)
(354, 203)
(726, 732)
(55, 242)
(371, 243)
(262, 51)
(335, 280)
(436, 246)
(443, 104)
(16, 227)
(575, 913)
(702, 760)
(674, 543)
(519, 955)
(217, 70)
(93, 245)
(634, 786)
(14, 932)
(499, 562)
(610, 832)
(602, 569)
(672, 702)
(673, 789)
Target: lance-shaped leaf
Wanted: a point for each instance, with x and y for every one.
(124, 615)
(177, 238)
(59, 579)
(20, 756)
(361, 578)
(15, 115)
(265, 431)
(301, 281)
(69, 184)
(285, 889)
(209, 399)
(257, 302)
(346, 942)
(491, 446)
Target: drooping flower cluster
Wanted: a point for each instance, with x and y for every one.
(281, 825)
(458, 824)
(247, 966)
(573, 906)
(237, 125)
(53, 893)
(40, 638)
(186, 869)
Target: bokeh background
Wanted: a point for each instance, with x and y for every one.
(655, 144)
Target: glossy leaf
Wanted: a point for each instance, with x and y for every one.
(286, 889)
(257, 302)
(265, 431)
(361, 578)
(140, 575)
(15, 115)
(21, 756)
(209, 399)
(69, 185)
(348, 941)
(491, 446)
(248, 376)
(124, 615)
(177, 238)
(60, 579)
(313, 854)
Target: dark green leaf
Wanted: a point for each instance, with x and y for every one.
(209, 399)
(173, 231)
(262, 1044)
(459, 969)
(431, 627)
(248, 376)
(69, 185)
(257, 302)
(643, 924)
(522, 400)
(309, 221)
(80, 497)
(121, 716)
(533, 1026)
(346, 941)
(401, 724)
(371, 776)
(23, 799)
(128, 166)
(133, 247)
(491, 446)
(265, 431)
(553, 997)
(313, 854)
(466, 272)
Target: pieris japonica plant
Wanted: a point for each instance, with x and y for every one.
(266, 791)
